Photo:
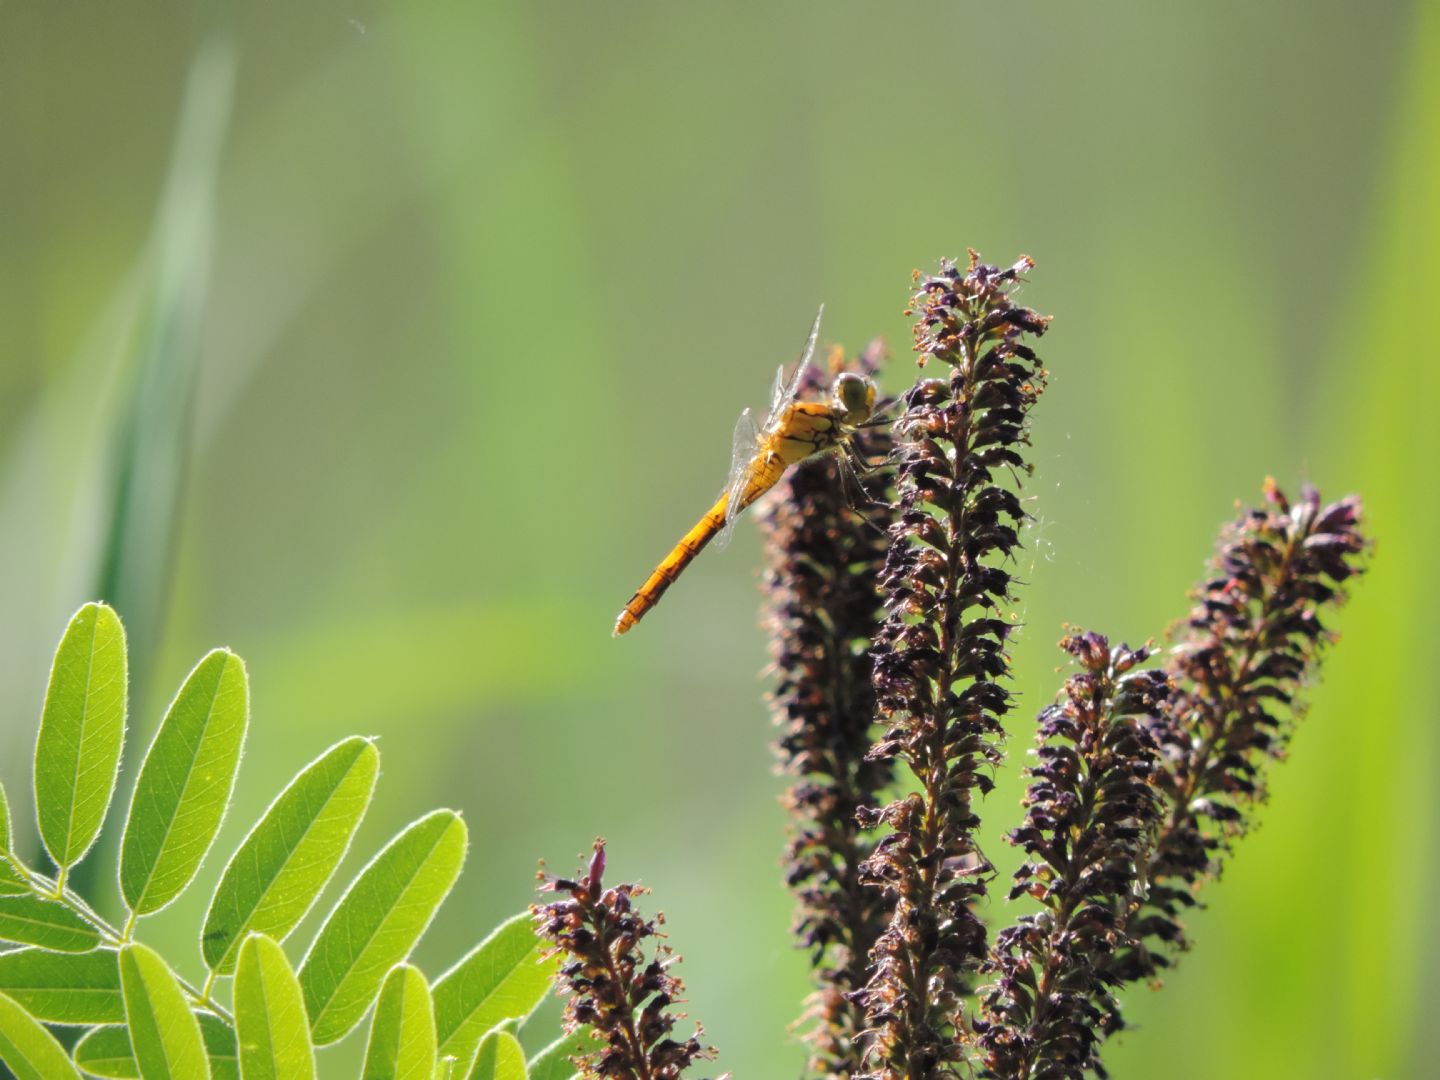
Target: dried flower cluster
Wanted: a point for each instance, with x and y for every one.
(940, 654)
(1252, 642)
(1090, 814)
(625, 998)
(825, 543)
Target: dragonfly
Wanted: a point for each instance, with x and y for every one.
(791, 432)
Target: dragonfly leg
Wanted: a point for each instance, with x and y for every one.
(850, 480)
(860, 465)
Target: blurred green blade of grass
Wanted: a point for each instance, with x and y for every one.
(1324, 912)
(1380, 797)
(83, 437)
(152, 433)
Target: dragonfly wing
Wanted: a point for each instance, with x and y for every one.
(777, 393)
(742, 452)
(809, 350)
(748, 434)
(786, 389)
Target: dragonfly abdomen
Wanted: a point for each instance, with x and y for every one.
(793, 431)
(759, 478)
(672, 566)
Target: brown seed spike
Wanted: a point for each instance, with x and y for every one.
(825, 547)
(1089, 808)
(613, 987)
(1251, 644)
(939, 658)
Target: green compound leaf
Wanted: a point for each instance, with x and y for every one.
(280, 868)
(554, 1062)
(163, 1031)
(64, 988)
(271, 1027)
(106, 1052)
(11, 883)
(27, 1049)
(502, 978)
(378, 921)
(185, 784)
(499, 1058)
(30, 920)
(447, 1068)
(402, 1034)
(81, 731)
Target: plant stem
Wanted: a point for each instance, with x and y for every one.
(44, 888)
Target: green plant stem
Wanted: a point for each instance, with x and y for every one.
(46, 889)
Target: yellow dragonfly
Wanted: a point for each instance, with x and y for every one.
(791, 432)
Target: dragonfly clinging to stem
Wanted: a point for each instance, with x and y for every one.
(791, 432)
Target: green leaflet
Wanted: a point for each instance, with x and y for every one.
(81, 730)
(378, 921)
(271, 1027)
(10, 880)
(402, 1034)
(280, 868)
(106, 1051)
(499, 1058)
(554, 1061)
(6, 836)
(11, 883)
(502, 978)
(163, 1031)
(31, 920)
(64, 988)
(185, 783)
(27, 1049)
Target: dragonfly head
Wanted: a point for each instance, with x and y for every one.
(853, 397)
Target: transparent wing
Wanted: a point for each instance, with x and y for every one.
(747, 433)
(777, 393)
(742, 452)
(786, 389)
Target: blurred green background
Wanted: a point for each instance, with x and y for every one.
(406, 338)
